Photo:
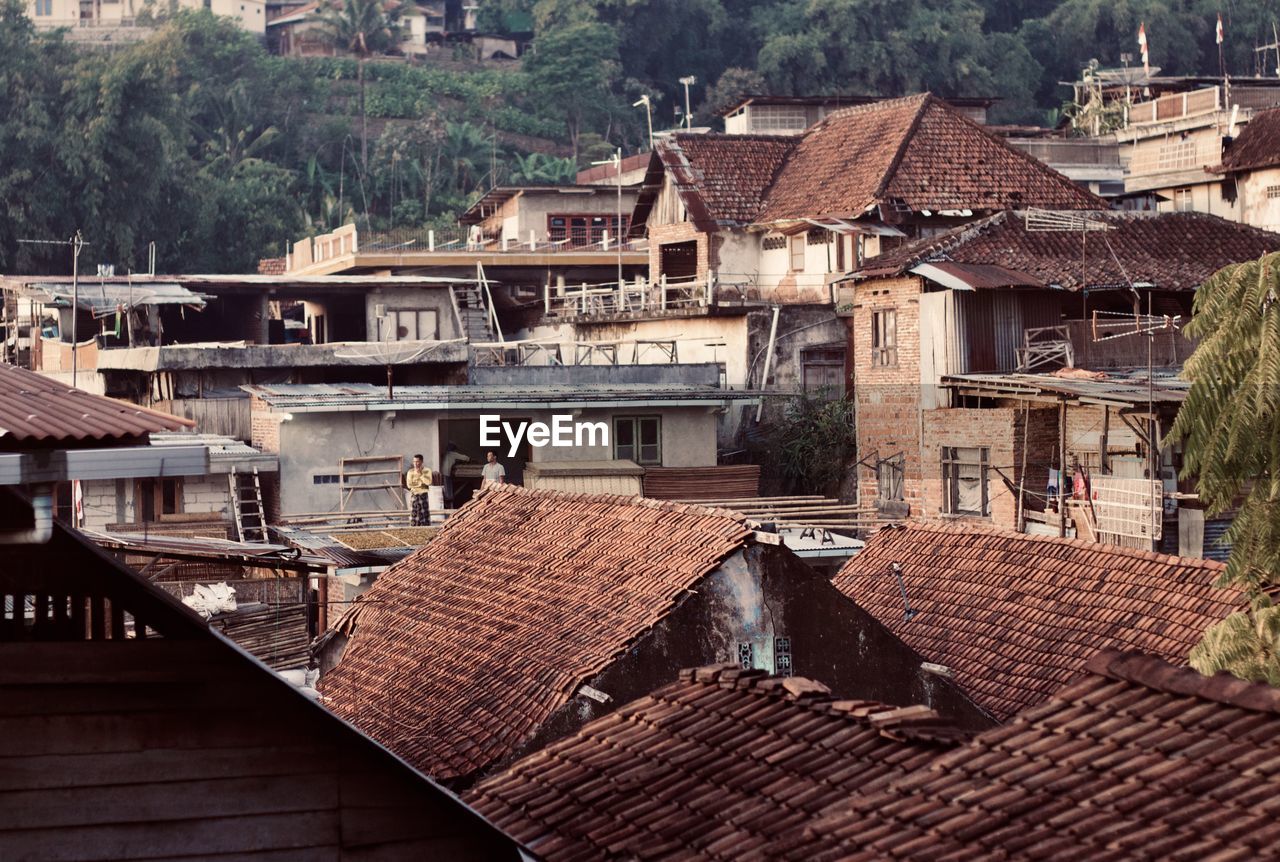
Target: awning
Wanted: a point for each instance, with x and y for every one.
(974, 276)
(106, 298)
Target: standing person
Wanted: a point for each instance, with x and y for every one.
(418, 481)
(493, 471)
(451, 460)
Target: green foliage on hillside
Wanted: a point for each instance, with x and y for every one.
(198, 140)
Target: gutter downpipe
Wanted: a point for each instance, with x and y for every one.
(768, 359)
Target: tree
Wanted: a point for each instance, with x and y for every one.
(362, 28)
(571, 70)
(734, 84)
(810, 444)
(541, 169)
(1229, 426)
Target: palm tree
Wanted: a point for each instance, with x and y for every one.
(540, 168)
(362, 28)
(1229, 426)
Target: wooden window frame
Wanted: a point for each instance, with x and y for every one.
(884, 338)
(796, 248)
(154, 488)
(636, 447)
(952, 463)
(589, 235)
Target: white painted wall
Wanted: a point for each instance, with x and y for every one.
(1257, 207)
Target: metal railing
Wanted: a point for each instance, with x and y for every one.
(632, 297)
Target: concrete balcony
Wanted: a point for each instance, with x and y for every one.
(183, 357)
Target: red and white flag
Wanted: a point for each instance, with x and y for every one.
(1142, 46)
(1218, 33)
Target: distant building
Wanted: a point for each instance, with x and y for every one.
(1250, 171)
(791, 115)
(104, 22)
(534, 612)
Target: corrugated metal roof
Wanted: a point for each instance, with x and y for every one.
(1116, 387)
(368, 396)
(34, 408)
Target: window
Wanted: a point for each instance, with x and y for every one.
(778, 118)
(797, 253)
(1182, 201)
(884, 338)
(889, 478)
(964, 481)
(638, 438)
(155, 498)
(325, 479)
(1273, 191)
(586, 229)
(822, 370)
(773, 243)
(410, 324)
(44, 8)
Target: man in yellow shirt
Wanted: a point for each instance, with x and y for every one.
(418, 481)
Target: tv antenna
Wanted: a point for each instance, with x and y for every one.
(77, 243)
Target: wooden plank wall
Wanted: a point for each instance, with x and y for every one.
(165, 749)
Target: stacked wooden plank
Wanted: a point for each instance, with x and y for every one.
(807, 511)
(276, 634)
(702, 483)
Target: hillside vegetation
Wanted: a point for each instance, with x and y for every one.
(199, 141)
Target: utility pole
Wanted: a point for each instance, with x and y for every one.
(688, 115)
(77, 243)
(616, 161)
(648, 110)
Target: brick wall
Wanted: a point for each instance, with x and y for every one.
(264, 427)
(1000, 431)
(665, 234)
(887, 398)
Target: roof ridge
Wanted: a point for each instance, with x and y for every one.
(1082, 544)
(926, 99)
(916, 720)
(1153, 672)
(616, 499)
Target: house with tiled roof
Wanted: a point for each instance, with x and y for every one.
(776, 216)
(1015, 617)
(715, 766)
(1250, 171)
(1135, 759)
(534, 612)
(967, 350)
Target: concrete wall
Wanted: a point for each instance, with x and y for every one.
(435, 299)
(1257, 207)
(533, 210)
(113, 501)
(695, 374)
(312, 444)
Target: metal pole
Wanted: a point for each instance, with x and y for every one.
(617, 163)
(75, 304)
(768, 360)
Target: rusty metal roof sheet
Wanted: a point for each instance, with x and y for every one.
(36, 409)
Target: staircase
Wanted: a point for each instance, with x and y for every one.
(246, 506)
(475, 317)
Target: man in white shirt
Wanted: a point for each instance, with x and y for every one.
(493, 471)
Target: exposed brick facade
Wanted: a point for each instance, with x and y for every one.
(666, 234)
(264, 427)
(887, 397)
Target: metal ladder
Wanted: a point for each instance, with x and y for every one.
(246, 506)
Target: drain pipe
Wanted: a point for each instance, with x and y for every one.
(42, 512)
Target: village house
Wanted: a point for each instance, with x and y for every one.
(1134, 759)
(534, 612)
(1015, 617)
(955, 340)
(131, 729)
(656, 779)
(628, 413)
(792, 115)
(106, 22)
(1250, 170)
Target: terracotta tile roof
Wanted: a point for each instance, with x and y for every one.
(272, 266)
(1138, 760)
(37, 409)
(1173, 251)
(1258, 145)
(712, 767)
(722, 179)
(917, 151)
(463, 649)
(1017, 616)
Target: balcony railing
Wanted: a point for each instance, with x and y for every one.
(636, 297)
